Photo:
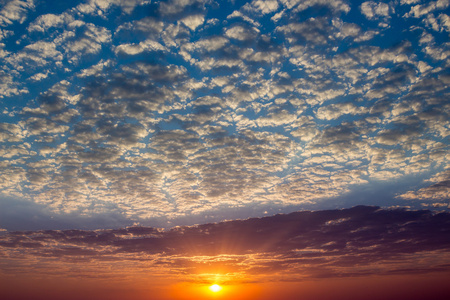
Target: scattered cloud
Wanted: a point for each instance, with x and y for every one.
(15, 10)
(420, 10)
(195, 108)
(9, 87)
(439, 190)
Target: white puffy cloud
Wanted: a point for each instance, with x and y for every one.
(264, 7)
(35, 56)
(101, 7)
(89, 42)
(193, 21)
(334, 111)
(445, 21)
(420, 10)
(240, 15)
(15, 10)
(346, 29)
(241, 33)
(373, 10)
(278, 118)
(44, 22)
(403, 2)
(209, 44)
(96, 69)
(9, 86)
(133, 49)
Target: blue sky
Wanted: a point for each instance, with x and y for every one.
(165, 113)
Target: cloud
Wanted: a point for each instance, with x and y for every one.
(439, 190)
(354, 242)
(191, 109)
(10, 132)
(263, 7)
(298, 5)
(149, 27)
(38, 126)
(174, 7)
(241, 33)
(372, 10)
(193, 21)
(71, 40)
(278, 118)
(45, 22)
(306, 129)
(403, 2)
(420, 10)
(244, 17)
(128, 6)
(346, 29)
(9, 87)
(398, 135)
(334, 111)
(89, 40)
(130, 49)
(207, 45)
(15, 10)
(339, 138)
(124, 134)
(313, 30)
(96, 69)
(39, 52)
(100, 7)
(134, 49)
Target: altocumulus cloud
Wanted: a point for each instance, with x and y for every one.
(166, 109)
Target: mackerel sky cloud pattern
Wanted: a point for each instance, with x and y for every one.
(181, 112)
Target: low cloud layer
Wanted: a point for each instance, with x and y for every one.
(360, 241)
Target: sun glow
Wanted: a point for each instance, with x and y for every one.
(215, 288)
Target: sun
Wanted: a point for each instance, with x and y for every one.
(215, 288)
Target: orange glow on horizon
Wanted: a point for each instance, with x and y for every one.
(203, 291)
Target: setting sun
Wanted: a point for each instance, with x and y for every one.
(215, 288)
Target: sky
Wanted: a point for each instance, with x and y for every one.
(166, 135)
(363, 252)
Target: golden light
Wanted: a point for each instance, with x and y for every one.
(215, 288)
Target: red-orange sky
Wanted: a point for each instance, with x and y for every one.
(408, 287)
